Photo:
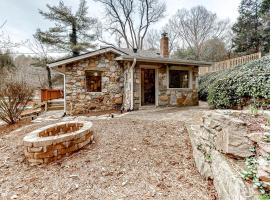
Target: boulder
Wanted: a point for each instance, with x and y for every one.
(230, 134)
(228, 182)
(197, 138)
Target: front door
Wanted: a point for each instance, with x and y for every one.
(147, 87)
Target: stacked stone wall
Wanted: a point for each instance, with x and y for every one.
(79, 100)
(222, 144)
(53, 142)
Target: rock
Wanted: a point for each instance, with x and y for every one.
(228, 183)
(118, 100)
(202, 165)
(124, 183)
(230, 134)
(164, 98)
(263, 170)
(14, 196)
(264, 146)
(256, 137)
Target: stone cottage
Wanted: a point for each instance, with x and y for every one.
(116, 78)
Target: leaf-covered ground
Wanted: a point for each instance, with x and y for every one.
(143, 155)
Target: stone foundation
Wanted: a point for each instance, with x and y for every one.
(53, 142)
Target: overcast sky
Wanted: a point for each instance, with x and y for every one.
(23, 18)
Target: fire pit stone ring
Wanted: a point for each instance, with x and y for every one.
(53, 142)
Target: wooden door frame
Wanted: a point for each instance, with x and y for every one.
(155, 67)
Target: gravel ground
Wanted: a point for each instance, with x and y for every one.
(133, 158)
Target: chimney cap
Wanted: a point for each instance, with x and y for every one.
(164, 34)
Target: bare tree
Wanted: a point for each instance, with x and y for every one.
(174, 42)
(42, 58)
(14, 96)
(5, 42)
(214, 50)
(152, 39)
(131, 19)
(197, 25)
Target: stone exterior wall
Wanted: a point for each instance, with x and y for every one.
(116, 86)
(166, 95)
(80, 101)
(127, 87)
(177, 97)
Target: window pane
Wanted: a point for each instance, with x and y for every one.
(178, 79)
(93, 81)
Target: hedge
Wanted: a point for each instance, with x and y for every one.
(237, 86)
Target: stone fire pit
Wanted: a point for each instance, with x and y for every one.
(55, 141)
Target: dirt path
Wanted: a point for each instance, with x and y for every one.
(134, 157)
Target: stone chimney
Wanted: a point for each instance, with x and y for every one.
(164, 45)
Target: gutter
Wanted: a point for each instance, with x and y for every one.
(131, 107)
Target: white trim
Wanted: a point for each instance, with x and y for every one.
(132, 84)
(65, 101)
(140, 88)
(190, 70)
(87, 55)
(156, 87)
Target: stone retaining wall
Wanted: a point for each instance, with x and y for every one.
(220, 145)
(53, 142)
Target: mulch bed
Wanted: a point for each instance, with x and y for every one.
(4, 129)
(131, 159)
(253, 122)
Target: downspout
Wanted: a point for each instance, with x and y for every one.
(131, 107)
(65, 103)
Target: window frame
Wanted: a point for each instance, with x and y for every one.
(86, 86)
(180, 68)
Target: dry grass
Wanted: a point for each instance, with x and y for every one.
(5, 129)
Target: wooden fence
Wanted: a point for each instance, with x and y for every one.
(50, 94)
(226, 64)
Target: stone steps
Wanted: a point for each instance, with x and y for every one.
(55, 105)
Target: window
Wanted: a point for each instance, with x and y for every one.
(93, 81)
(178, 79)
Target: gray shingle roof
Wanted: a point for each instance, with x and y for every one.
(142, 53)
(128, 54)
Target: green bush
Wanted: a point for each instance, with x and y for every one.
(204, 83)
(237, 86)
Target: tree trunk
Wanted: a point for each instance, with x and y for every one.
(49, 77)
(73, 40)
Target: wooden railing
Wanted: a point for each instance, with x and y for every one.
(50, 94)
(229, 63)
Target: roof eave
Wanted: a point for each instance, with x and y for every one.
(83, 56)
(166, 61)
